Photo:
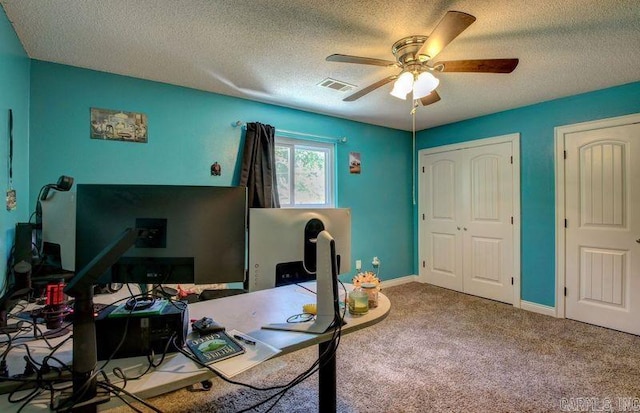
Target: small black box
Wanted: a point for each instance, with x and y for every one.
(144, 332)
(23, 242)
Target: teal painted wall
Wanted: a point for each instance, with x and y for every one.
(190, 129)
(536, 125)
(14, 94)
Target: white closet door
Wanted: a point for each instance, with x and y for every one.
(442, 238)
(602, 195)
(487, 227)
(466, 233)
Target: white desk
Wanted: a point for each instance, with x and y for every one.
(244, 312)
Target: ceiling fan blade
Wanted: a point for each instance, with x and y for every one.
(370, 88)
(478, 66)
(452, 24)
(432, 97)
(343, 58)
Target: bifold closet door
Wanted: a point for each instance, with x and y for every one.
(442, 239)
(487, 228)
(467, 233)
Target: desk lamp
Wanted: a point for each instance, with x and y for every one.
(63, 185)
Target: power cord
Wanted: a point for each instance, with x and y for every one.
(330, 350)
(282, 389)
(42, 384)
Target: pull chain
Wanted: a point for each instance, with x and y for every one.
(413, 151)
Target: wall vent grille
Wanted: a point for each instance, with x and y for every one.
(336, 85)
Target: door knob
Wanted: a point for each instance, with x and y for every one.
(638, 240)
(458, 228)
(465, 228)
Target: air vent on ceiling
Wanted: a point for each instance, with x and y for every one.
(336, 85)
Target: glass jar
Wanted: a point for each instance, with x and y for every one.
(358, 302)
(372, 293)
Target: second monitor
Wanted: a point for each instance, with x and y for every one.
(282, 247)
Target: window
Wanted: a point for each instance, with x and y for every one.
(304, 170)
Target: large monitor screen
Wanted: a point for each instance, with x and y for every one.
(191, 234)
(282, 244)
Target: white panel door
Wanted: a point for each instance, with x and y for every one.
(602, 173)
(487, 227)
(442, 240)
(466, 233)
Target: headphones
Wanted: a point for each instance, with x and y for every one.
(139, 303)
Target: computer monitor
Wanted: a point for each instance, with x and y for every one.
(282, 244)
(190, 234)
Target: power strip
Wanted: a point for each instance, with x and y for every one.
(9, 385)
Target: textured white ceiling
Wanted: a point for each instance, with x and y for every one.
(274, 50)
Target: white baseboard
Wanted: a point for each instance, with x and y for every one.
(400, 280)
(538, 308)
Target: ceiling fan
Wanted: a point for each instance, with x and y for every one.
(415, 54)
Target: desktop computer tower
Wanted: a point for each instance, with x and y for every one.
(144, 332)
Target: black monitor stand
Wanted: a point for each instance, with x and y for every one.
(85, 396)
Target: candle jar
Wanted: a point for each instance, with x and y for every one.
(372, 294)
(358, 302)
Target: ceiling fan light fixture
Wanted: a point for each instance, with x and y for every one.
(403, 85)
(425, 83)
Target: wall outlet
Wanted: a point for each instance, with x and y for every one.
(375, 262)
(358, 265)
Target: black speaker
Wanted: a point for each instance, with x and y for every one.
(23, 242)
(22, 275)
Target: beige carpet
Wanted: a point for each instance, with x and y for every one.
(442, 351)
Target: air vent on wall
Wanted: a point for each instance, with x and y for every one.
(336, 85)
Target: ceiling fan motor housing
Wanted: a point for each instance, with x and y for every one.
(406, 48)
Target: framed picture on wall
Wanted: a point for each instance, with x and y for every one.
(354, 162)
(118, 125)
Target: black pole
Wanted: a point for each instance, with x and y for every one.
(85, 353)
(327, 377)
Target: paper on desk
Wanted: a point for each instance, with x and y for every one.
(253, 355)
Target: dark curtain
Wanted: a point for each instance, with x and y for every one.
(258, 172)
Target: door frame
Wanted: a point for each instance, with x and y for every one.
(559, 137)
(514, 139)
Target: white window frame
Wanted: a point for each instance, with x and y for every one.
(330, 183)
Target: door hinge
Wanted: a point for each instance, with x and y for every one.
(511, 280)
(423, 217)
(511, 160)
(423, 169)
(424, 264)
(566, 223)
(565, 291)
(564, 154)
(511, 220)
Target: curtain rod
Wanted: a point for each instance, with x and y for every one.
(340, 139)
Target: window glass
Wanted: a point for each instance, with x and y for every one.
(304, 170)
